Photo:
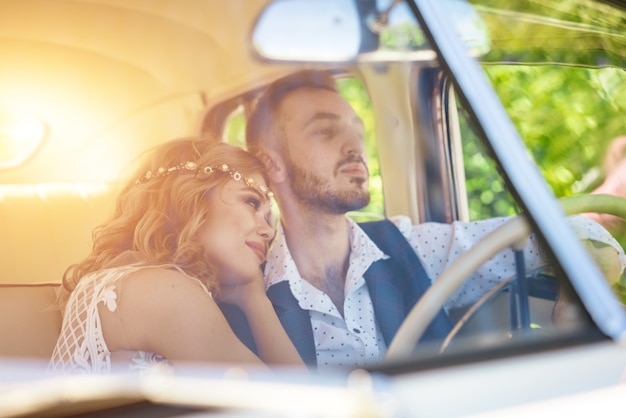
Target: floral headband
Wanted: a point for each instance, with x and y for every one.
(207, 170)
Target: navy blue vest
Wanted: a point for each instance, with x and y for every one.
(394, 284)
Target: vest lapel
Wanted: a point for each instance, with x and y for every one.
(397, 283)
(387, 298)
(295, 321)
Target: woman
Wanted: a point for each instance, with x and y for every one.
(192, 227)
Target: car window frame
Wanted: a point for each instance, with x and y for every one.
(523, 178)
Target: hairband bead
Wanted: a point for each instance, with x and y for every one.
(207, 170)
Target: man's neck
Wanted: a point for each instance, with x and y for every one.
(320, 247)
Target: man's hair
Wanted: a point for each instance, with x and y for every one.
(261, 128)
(159, 218)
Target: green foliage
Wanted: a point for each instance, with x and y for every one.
(236, 129)
(487, 193)
(577, 32)
(403, 37)
(354, 91)
(566, 116)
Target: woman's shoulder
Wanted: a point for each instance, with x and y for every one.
(133, 264)
(165, 276)
(164, 284)
(150, 299)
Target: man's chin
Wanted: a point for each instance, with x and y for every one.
(356, 200)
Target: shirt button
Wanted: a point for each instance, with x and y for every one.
(356, 330)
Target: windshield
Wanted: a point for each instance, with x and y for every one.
(559, 73)
(87, 87)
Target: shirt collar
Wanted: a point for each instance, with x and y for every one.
(281, 266)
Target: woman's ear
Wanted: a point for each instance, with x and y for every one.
(273, 165)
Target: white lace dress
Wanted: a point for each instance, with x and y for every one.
(81, 347)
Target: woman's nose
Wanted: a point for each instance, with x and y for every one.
(266, 230)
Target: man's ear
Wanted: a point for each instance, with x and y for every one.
(273, 165)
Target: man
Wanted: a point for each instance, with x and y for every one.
(342, 292)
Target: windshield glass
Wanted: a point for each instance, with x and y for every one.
(558, 68)
(87, 87)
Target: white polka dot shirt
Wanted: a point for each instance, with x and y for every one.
(355, 339)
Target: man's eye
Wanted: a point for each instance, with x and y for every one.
(324, 131)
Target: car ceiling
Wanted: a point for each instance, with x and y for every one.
(110, 77)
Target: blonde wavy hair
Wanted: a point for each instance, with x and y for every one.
(158, 219)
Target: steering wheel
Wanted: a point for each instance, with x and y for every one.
(514, 233)
(546, 290)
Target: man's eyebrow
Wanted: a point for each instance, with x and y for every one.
(359, 121)
(321, 116)
(329, 116)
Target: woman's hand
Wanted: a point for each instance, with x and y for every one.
(244, 295)
(274, 346)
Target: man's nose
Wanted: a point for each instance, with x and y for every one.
(353, 143)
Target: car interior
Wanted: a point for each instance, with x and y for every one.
(86, 86)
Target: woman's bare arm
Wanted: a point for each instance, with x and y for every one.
(164, 312)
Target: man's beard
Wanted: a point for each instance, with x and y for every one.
(312, 191)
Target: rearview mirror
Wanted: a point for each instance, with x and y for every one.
(344, 31)
(303, 30)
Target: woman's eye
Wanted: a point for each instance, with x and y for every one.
(254, 202)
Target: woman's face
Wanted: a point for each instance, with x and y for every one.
(237, 231)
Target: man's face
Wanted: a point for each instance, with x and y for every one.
(324, 150)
